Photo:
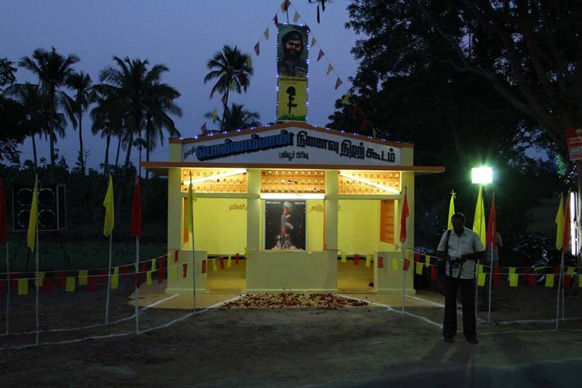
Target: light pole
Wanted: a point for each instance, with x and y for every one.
(483, 176)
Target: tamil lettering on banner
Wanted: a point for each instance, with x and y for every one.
(293, 145)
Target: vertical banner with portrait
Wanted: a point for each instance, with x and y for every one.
(285, 225)
(292, 69)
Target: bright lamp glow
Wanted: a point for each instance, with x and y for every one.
(482, 175)
(292, 196)
(217, 176)
(370, 183)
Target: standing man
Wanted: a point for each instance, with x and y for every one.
(461, 248)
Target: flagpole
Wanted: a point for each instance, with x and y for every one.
(37, 288)
(191, 215)
(490, 277)
(559, 288)
(7, 290)
(136, 308)
(403, 277)
(109, 278)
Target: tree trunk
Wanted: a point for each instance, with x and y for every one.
(81, 159)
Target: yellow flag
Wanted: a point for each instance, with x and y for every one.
(479, 221)
(32, 220)
(189, 211)
(22, 286)
(70, 284)
(451, 209)
(559, 220)
(109, 209)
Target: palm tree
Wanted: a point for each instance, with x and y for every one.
(232, 70)
(52, 70)
(237, 117)
(146, 102)
(160, 104)
(107, 119)
(39, 116)
(80, 83)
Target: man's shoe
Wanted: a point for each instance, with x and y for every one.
(472, 341)
(448, 340)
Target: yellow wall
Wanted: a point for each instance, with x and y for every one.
(220, 225)
(358, 226)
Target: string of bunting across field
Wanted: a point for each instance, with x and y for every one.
(70, 281)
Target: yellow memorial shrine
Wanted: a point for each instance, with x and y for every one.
(292, 200)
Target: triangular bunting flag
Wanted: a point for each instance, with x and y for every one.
(338, 83)
(329, 68)
(296, 17)
(266, 33)
(257, 49)
(276, 21)
(320, 55)
(285, 5)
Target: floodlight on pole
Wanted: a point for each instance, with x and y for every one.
(482, 175)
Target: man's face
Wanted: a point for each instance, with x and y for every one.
(293, 48)
(458, 224)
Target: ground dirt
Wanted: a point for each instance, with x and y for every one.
(374, 345)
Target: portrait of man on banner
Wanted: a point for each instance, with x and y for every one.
(292, 52)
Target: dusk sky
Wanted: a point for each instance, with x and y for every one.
(183, 35)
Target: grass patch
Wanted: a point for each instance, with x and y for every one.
(54, 256)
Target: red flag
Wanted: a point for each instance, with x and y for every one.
(320, 55)
(363, 123)
(285, 5)
(276, 21)
(3, 215)
(492, 226)
(404, 215)
(338, 83)
(204, 129)
(136, 211)
(566, 244)
(257, 49)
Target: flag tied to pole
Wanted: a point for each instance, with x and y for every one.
(136, 210)
(109, 209)
(479, 221)
(33, 218)
(566, 238)
(404, 215)
(3, 215)
(492, 226)
(451, 210)
(189, 209)
(559, 220)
